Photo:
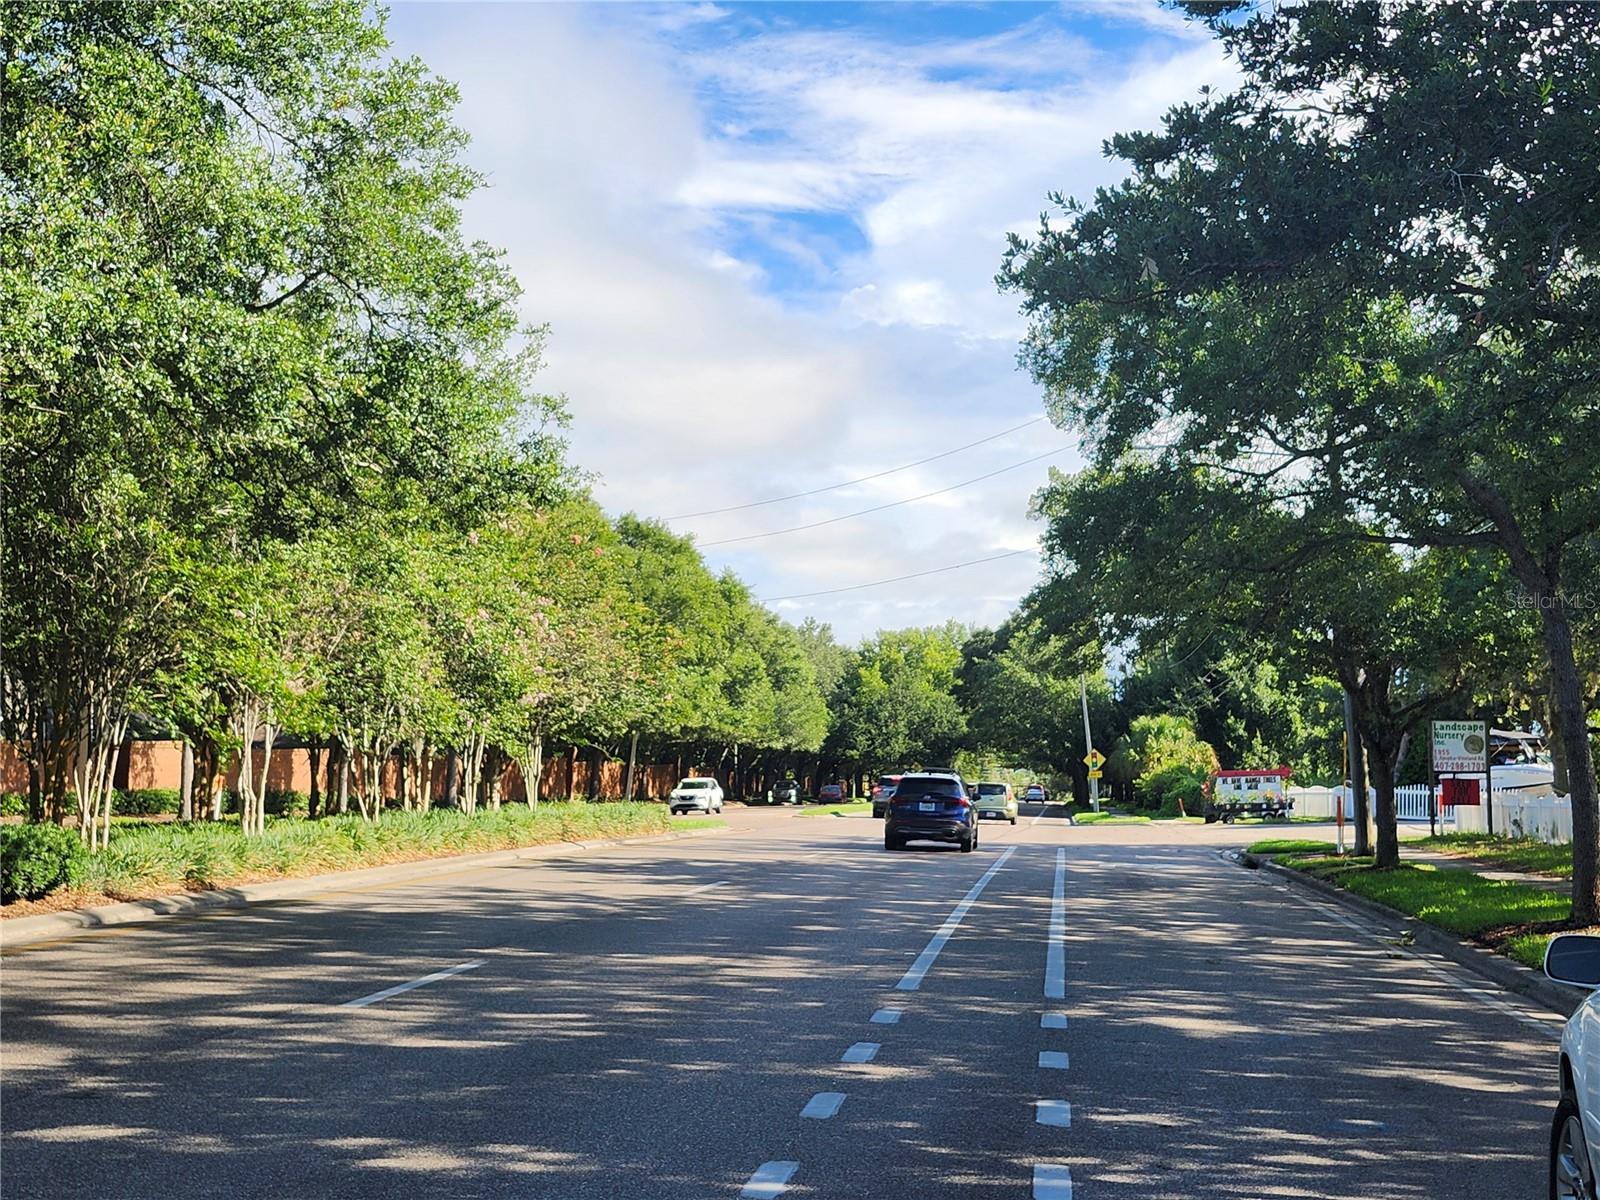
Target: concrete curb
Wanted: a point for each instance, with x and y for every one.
(23, 931)
(1496, 968)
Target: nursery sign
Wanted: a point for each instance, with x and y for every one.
(1460, 747)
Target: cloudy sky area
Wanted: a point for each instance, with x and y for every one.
(764, 238)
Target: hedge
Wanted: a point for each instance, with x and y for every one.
(36, 859)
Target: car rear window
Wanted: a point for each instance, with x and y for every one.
(991, 789)
(910, 789)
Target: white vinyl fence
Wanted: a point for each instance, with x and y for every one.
(1516, 814)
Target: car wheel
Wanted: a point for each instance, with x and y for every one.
(969, 843)
(1013, 820)
(1571, 1174)
(890, 842)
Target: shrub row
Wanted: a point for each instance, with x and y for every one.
(146, 860)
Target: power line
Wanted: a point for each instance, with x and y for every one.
(856, 587)
(833, 487)
(750, 537)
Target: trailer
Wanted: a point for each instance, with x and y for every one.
(1252, 793)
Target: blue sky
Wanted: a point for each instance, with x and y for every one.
(764, 238)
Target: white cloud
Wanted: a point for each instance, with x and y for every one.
(622, 155)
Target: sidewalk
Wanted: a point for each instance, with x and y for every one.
(1454, 862)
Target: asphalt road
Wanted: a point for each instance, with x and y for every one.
(653, 1022)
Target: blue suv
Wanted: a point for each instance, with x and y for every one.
(931, 808)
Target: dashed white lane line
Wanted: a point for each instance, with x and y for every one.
(1054, 1060)
(1052, 1181)
(1053, 1112)
(887, 1016)
(415, 983)
(1055, 957)
(707, 888)
(861, 1052)
(1053, 1020)
(912, 979)
(822, 1106)
(771, 1179)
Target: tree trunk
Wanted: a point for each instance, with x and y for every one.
(314, 762)
(1382, 766)
(186, 783)
(344, 777)
(633, 764)
(535, 782)
(1572, 723)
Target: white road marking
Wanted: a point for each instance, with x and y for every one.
(823, 1105)
(887, 1016)
(861, 1052)
(1055, 957)
(770, 1179)
(1053, 1112)
(1052, 1181)
(415, 983)
(1549, 1026)
(1053, 1020)
(1055, 1060)
(707, 888)
(912, 979)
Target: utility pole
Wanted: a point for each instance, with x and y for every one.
(1088, 742)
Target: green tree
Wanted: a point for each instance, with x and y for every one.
(1367, 275)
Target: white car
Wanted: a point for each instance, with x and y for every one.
(696, 795)
(1575, 1133)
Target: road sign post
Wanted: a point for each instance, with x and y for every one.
(1088, 741)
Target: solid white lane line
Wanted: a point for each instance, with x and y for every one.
(887, 1016)
(823, 1105)
(707, 888)
(912, 979)
(1055, 1060)
(861, 1052)
(415, 983)
(1053, 1020)
(1053, 1112)
(1549, 1025)
(770, 1179)
(1052, 1181)
(1055, 955)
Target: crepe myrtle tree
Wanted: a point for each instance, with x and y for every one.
(239, 309)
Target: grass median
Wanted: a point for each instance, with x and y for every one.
(154, 860)
(1527, 855)
(1514, 919)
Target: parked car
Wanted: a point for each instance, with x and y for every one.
(1036, 794)
(933, 808)
(882, 791)
(786, 791)
(996, 800)
(1575, 1132)
(695, 795)
(830, 793)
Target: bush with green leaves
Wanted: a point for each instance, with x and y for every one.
(146, 802)
(13, 804)
(37, 859)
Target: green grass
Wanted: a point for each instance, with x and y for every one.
(1290, 846)
(1514, 854)
(1490, 911)
(149, 860)
(1109, 818)
(839, 810)
(699, 823)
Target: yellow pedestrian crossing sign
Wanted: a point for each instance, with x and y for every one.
(1094, 760)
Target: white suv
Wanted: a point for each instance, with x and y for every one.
(1575, 1133)
(696, 795)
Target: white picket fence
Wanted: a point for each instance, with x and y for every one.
(1516, 814)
